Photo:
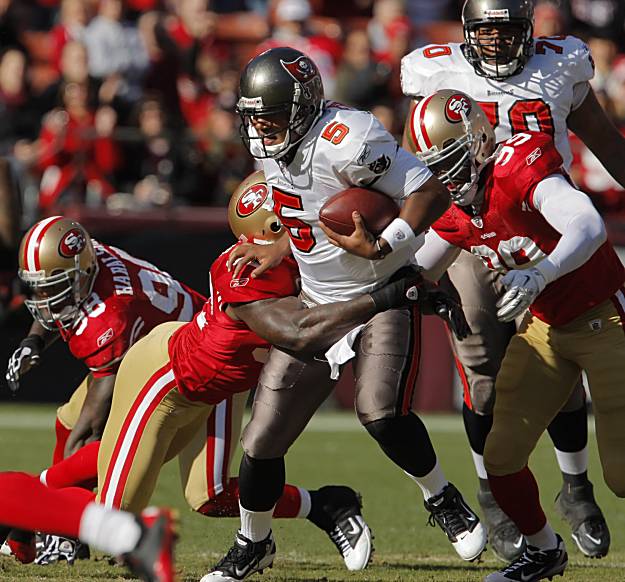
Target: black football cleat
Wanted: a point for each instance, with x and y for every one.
(459, 522)
(534, 565)
(243, 559)
(589, 529)
(58, 548)
(504, 537)
(337, 510)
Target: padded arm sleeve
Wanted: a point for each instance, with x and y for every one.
(572, 214)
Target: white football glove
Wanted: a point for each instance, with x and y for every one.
(23, 359)
(523, 286)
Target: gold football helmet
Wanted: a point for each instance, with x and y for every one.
(250, 214)
(58, 263)
(454, 138)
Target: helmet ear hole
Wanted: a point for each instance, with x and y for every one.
(275, 226)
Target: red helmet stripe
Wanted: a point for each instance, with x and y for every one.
(31, 248)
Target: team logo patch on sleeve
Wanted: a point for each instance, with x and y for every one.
(72, 243)
(252, 200)
(381, 165)
(455, 106)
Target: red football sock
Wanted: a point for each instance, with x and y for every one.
(518, 497)
(26, 503)
(77, 470)
(289, 504)
(226, 504)
(62, 434)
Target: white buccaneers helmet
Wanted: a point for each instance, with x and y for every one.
(58, 263)
(250, 214)
(454, 138)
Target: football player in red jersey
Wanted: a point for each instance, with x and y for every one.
(100, 301)
(516, 209)
(179, 375)
(522, 82)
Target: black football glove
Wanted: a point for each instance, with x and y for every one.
(436, 301)
(401, 290)
(25, 357)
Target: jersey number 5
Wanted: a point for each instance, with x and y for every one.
(300, 232)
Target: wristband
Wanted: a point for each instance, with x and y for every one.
(398, 234)
(547, 269)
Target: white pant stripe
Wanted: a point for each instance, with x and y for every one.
(120, 461)
(32, 243)
(220, 445)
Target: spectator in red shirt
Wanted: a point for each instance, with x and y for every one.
(77, 153)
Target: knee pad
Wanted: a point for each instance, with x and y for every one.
(503, 456)
(226, 504)
(482, 395)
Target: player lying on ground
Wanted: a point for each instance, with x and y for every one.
(522, 83)
(516, 209)
(191, 368)
(99, 300)
(144, 543)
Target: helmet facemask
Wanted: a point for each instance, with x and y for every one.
(498, 50)
(56, 300)
(280, 96)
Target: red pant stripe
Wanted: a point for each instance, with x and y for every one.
(415, 355)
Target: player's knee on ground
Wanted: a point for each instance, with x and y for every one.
(224, 504)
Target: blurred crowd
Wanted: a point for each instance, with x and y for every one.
(130, 103)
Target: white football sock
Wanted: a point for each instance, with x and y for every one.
(432, 483)
(305, 502)
(545, 539)
(109, 530)
(573, 463)
(478, 461)
(255, 525)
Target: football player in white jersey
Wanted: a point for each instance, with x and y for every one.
(522, 84)
(311, 150)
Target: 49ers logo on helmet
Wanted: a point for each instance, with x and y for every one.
(252, 200)
(72, 243)
(456, 105)
(301, 69)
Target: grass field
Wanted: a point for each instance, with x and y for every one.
(333, 450)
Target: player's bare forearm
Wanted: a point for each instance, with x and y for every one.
(48, 336)
(93, 415)
(287, 322)
(591, 124)
(426, 205)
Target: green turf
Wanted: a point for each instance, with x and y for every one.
(337, 451)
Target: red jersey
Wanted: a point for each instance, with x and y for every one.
(510, 233)
(215, 356)
(130, 297)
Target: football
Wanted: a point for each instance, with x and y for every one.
(376, 209)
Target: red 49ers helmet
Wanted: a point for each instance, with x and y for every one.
(250, 214)
(58, 263)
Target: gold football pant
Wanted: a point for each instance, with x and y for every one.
(538, 373)
(69, 412)
(151, 422)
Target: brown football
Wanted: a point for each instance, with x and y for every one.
(376, 209)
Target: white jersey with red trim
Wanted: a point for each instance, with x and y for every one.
(553, 83)
(130, 297)
(344, 148)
